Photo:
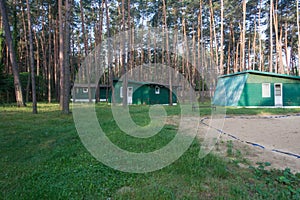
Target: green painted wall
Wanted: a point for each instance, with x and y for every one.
(245, 89)
(255, 78)
(291, 94)
(79, 94)
(145, 94)
(252, 93)
(252, 96)
(229, 89)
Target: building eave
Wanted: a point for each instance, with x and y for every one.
(262, 74)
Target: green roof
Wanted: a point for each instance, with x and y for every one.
(144, 83)
(263, 74)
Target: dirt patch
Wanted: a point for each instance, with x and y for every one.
(254, 155)
(255, 138)
(258, 137)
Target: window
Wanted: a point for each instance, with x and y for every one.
(157, 90)
(85, 90)
(278, 89)
(121, 92)
(266, 90)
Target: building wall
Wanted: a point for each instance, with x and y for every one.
(80, 94)
(252, 93)
(161, 98)
(145, 94)
(291, 94)
(229, 90)
(252, 96)
(141, 94)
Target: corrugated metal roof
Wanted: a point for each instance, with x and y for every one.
(263, 74)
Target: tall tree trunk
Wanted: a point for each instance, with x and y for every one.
(211, 36)
(12, 55)
(228, 58)
(194, 58)
(298, 27)
(243, 40)
(50, 56)
(222, 40)
(234, 49)
(168, 53)
(187, 56)
(34, 100)
(242, 45)
(85, 42)
(37, 55)
(83, 29)
(200, 64)
(286, 48)
(249, 54)
(27, 56)
(254, 47)
(271, 37)
(67, 75)
(278, 37)
(123, 55)
(61, 53)
(214, 34)
(56, 65)
(110, 68)
(235, 69)
(44, 45)
(280, 54)
(98, 42)
(260, 42)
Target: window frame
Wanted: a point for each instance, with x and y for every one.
(85, 90)
(266, 90)
(157, 90)
(121, 92)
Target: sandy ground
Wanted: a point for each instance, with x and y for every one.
(281, 133)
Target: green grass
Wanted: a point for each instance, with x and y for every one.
(42, 157)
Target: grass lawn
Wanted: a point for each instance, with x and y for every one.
(42, 157)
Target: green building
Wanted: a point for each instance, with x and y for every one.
(254, 89)
(82, 92)
(137, 93)
(148, 93)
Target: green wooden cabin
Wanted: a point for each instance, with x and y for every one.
(137, 93)
(144, 93)
(81, 92)
(255, 89)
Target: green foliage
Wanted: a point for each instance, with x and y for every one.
(229, 148)
(7, 92)
(6, 86)
(282, 183)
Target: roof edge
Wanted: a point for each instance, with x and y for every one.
(261, 73)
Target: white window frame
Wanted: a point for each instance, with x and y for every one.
(121, 92)
(157, 90)
(266, 90)
(85, 90)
